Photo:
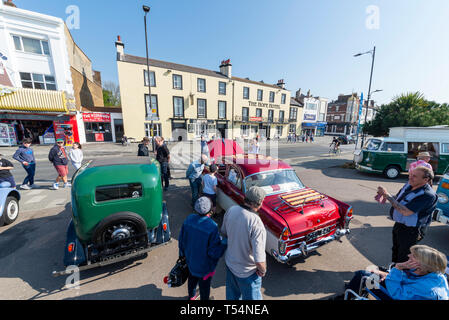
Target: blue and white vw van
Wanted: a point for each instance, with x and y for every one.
(441, 213)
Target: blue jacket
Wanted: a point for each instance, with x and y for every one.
(194, 170)
(405, 285)
(24, 154)
(201, 244)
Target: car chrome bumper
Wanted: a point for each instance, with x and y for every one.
(440, 217)
(365, 168)
(304, 248)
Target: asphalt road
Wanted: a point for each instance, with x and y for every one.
(32, 248)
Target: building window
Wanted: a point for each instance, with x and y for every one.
(177, 81)
(283, 98)
(259, 95)
(30, 45)
(293, 113)
(148, 108)
(156, 130)
(244, 130)
(201, 84)
(270, 115)
(201, 105)
(292, 128)
(259, 113)
(152, 78)
(245, 93)
(281, 116)
(311, 106)
(245, 114)
(37, 81)
(221, 87)
(271, 96)
(221, 109)
(178, 107)
(201, 128)
(279, 130)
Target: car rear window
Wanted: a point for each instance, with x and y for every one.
(118, 192)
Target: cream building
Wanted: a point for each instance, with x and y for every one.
(187, 102)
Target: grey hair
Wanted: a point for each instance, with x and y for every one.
(429, 258)
(428, 173)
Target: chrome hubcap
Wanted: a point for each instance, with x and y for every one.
(392, 173)
(12, 210)
(121, 232)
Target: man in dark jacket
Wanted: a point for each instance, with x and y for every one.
(58, 156)
(25, 156)
(143, 148)
(163, 156)
(200, 243)
(6, 178)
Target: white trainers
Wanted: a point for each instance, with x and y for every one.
(55, 186)
(25, 187)
(67, 185)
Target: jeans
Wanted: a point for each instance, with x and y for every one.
(7, 183)
(31, 170)
(165, 174)
(203, 284)
(243, 288)
(354, 285)
(195, 186)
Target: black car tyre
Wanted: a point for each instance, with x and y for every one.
(119, 226)
(11, 210)
(392, 172)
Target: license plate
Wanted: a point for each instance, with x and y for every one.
(318, 233)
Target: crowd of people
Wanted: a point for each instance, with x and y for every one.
(58, 156)
(304, 137)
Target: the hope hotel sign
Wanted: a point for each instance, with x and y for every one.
(263, 105)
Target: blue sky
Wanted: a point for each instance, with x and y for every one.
(310, 44)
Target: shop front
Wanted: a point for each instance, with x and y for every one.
(41, 128)
(314, 128)
(98, 127)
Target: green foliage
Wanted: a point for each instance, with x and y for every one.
(407, 110)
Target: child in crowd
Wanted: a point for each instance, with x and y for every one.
(25, 156)
(210, 185)
(76, 155)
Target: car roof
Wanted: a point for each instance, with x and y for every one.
(252, 163)
(102, 162)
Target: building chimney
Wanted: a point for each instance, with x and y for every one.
(226, 68)
(281, 84)
(308, 93)
(120, 46)
(298, 94)
(9, 3)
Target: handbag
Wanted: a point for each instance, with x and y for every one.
(178, 274)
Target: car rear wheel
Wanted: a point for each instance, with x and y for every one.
(119, 227)
(11, 210)
(392, 172)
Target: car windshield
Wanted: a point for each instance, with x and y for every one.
(373, 144)
(275, 181)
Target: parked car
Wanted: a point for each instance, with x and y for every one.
(117, 213)
(346, 139)
(298, 219)
(441, 213)
(9, 205)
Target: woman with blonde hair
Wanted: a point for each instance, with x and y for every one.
(421, 277)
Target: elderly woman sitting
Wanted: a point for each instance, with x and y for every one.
(420, 278)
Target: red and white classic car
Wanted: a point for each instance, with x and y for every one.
(298, 219)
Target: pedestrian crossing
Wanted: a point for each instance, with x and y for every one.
(45, 198)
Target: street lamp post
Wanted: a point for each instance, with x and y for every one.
(146, 9)
(373, 54)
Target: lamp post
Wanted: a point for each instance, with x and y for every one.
(373, 55)
(146, 9)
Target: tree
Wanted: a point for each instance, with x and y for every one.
(111, 94)
(407, 110)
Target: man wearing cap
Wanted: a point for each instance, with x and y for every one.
(245, 256)
(58, 156)
(411, 209)
(200, 243)
(423, 159)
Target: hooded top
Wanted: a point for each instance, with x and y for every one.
(24, 154)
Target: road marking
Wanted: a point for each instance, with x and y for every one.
(35, 199)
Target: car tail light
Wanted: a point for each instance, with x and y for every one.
(164, 226)
(445, 185)
(349, 212)
(285, 234)
(71, 247)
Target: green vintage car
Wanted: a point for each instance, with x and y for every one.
(117, 213)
